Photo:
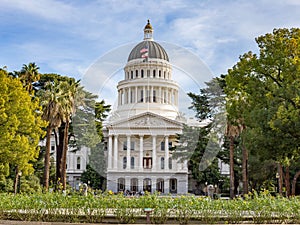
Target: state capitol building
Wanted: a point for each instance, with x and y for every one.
(145, 124)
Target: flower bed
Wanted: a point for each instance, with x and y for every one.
(110, 208)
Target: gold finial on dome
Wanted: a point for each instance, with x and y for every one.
(148, 26)
(148, 32)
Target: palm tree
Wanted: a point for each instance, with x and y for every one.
(70, 99)
(28, 75)
(49, 100)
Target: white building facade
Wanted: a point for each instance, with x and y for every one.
(144, 125)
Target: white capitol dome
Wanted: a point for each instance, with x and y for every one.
(148, 84)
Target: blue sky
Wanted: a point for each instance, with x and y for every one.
(68, 36)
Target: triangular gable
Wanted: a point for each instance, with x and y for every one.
(147, 119)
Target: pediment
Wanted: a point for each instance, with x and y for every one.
(147, 120)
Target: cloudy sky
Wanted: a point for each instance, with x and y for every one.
(69, 36)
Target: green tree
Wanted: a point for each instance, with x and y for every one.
(268, 84)
(28, 75)
(200, 145)
(50, 101)
(20, 127)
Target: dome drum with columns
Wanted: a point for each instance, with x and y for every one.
(144, 125)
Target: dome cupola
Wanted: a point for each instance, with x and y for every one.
(148, 49)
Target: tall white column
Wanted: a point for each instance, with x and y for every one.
(154, 153)
(166, 153)
(153, 183)
(128, 152)
(144, 94)
(141, 152)
(127, 183)
(167, 186)
(151, 94)
(110, 152)
(116, 152)
(129, 95)
(140, 184)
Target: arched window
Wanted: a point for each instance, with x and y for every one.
(136, 73)
(162, 163)
(142, 73)
(131, 74)
(159, 73)
(173, 185)
(132, 162)
(154, 73)
(134, 184)
(124, 162)
(121, 184)
(164, 74)
(78, 163)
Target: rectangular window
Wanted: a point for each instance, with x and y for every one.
(147, 163)
(124, 145)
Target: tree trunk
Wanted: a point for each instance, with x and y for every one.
(59, 150)
(287, 181)
(47, 159)
(231, 165)
(294, 183)
(64, 156)
(245, 170)
(16, 180)
(280, 178)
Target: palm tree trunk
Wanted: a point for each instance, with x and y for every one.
(59, 150)
(47, 159)
(64, 156)
(245, 170)
(231, 165)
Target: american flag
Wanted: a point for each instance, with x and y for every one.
(143, 50)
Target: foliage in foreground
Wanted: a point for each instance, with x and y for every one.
(262, 208)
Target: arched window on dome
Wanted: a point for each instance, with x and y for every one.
(131, 74)
(154, 73)
(136, 73)
(164, 74)
(142, 73)
(159, 73)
